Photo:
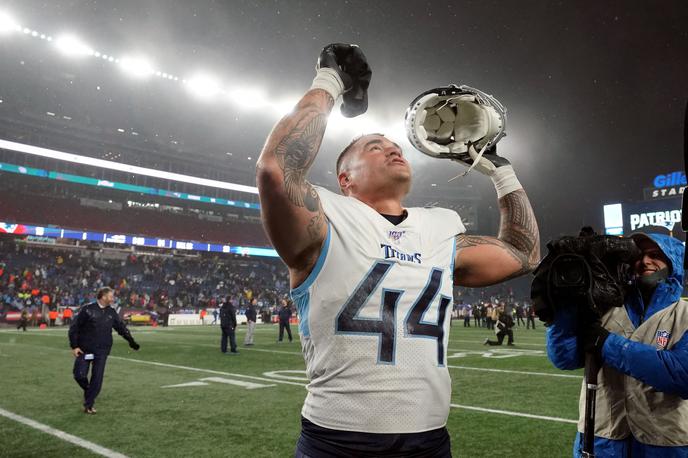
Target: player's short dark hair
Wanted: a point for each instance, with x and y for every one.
(104, 291)
(348, 149)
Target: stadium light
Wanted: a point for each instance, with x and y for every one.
(134, 169)
(249, 97)
(71, 46)
(284, 106)
(138, 67)
(8, 24)
(203, 86)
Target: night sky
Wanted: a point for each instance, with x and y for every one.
(595, 90)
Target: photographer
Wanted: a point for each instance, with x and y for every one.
(642, 388)
(504, 327)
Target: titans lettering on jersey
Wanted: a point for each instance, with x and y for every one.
(390, 252)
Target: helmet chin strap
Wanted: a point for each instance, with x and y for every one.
(647, 283)
(475, 162)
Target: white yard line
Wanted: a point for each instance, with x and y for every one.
(207, 371)
(241, 383)
(547, 374)
(481, 341)
(502, 350)
(515, 414)
(83, 443)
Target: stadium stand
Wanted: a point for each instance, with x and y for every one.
(67, 276)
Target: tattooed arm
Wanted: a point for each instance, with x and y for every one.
(290, 208)
(482, 261)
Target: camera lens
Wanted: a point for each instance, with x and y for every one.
(569, 272)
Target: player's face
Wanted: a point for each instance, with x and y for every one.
(378, 165)
(652, 260)
(109, 298)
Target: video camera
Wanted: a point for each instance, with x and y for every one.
(591, 273)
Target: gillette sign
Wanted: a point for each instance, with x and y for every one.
(670, 179)
(667, 185)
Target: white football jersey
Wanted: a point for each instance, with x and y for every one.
(374, 319)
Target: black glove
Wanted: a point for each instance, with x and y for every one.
(352, 67)
(134, 345)
(593, 336)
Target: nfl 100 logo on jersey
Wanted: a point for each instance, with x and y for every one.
(662, 339)
(395, 236)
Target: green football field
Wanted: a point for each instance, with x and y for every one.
(179, 396)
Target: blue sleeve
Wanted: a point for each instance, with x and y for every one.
(562, 343)
(664, 370)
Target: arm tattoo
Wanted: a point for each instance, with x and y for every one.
(295, 154)
(518, 233)
(518, 228)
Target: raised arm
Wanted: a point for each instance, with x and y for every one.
(484, 260)
(290, 207)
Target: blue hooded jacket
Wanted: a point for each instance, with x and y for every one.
(666, 371)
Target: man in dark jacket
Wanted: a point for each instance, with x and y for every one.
(251, 315)
(228, 325)
(284, 316)
(504, 326)
(90, 337)
(23, 319)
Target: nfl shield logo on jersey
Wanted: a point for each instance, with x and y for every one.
(395, 236)
(662, 339)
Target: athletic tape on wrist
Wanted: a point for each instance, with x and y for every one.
(329, 81)
(505, 181)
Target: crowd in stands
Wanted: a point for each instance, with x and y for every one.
(42, 279)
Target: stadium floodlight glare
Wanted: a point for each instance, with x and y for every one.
(284, 106)
(72, 46)
(203, 86)
(249, 97)
(8, 24)
(138, 67)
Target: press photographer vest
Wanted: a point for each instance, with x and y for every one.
(624, 404)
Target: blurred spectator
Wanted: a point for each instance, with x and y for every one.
(52, 315)
(530, 316)
(284, 317)
(251, 314)
(520, 314)
(228, 323)
(467, 315)
(23, 319)
(503, 327)
(67, 316)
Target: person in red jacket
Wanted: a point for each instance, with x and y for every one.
(52, 315)
(67, 316)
